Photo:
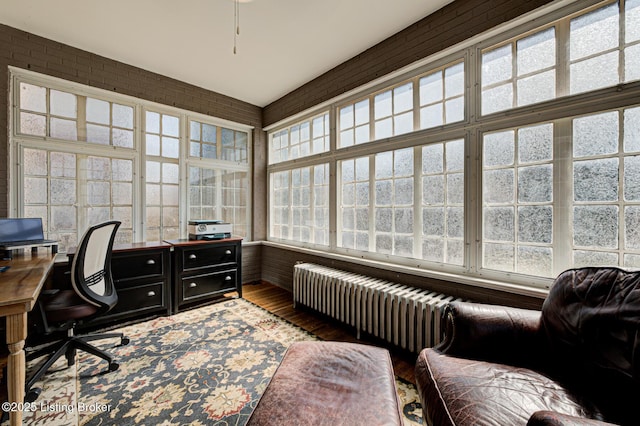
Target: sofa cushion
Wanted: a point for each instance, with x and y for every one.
(460, 391)
(594, 314)
(592, 322)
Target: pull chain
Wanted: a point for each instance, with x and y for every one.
(236, 24)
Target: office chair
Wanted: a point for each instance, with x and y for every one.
(93, 294)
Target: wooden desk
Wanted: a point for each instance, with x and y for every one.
(20, 286)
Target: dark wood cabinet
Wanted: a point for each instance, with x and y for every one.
(142, 277)
(161, 278)
(205, 270)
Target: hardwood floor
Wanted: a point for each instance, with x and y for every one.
(280, 302)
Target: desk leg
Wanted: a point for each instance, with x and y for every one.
(16, 335)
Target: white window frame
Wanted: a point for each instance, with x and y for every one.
(559, 110)
(137, 154)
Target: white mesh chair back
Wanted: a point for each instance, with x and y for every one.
(91, 267)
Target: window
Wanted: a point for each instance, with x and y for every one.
(526, 228)
(54, 113)
(393, 111)
(300, 140)
(442, 97)
(606, 189)
(355, 204)
(602, 52)
(424, 102)
(517, 182)
(354, 123)
(300, 205)
(162, 141)
(393, 211)
(520, 73)
(80, 161)
(430, 175)
(443, 202)
(379, 212)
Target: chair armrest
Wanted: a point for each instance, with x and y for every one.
(493, 333)
(551, 418)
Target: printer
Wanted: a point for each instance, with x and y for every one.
(209, 230)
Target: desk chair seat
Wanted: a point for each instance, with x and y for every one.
(66, 306)
(93, 294)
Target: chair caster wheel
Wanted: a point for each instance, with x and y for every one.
(114, 366)
(32, 394)
(124, 341)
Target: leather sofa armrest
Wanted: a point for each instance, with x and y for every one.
(493, 333)
(552, 418)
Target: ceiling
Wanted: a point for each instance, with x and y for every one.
(282, 43)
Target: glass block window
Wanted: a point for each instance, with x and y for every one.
(593, 47)
(51, 192)
(393, 111)
(162, 190)
(442, 96)
(520, 73)
(393, 211)
(234, 145)
(606, 189)
(80, 156)
(280, 204)
(354, 122)
(632, 40)
(162, 133)
(302, 139)
(110, 193)
(203, 140)
(162, 201)
(517, 199)
(218, 194)
(235, 198)
(62, 115)
(300, 209)
(109, 123)
(355, 203)
(203, 194)
(443, 202)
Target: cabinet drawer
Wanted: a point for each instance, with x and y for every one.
(195, 257)
(136, 265)
(202, 285)
(140, 298)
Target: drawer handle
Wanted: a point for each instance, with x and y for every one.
(151, 262)
(151, 293)
(193, 285)
(227, 278)
(227, 252)
(192, 256)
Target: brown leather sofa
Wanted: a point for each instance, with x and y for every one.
(577, 362)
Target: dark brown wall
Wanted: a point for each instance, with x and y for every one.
(28, 51)
(452, 24)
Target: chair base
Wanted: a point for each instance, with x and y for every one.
(68, 348)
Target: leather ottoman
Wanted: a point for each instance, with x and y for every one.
(330, 383)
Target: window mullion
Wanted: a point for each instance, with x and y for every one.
(562, 196)
(372, 203)
(562, 57)
(417, 202)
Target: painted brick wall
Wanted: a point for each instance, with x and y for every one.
(28, 51)
(452, 24)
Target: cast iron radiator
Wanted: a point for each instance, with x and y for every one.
(402, 315)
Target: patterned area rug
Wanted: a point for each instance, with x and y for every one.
(206, 366)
